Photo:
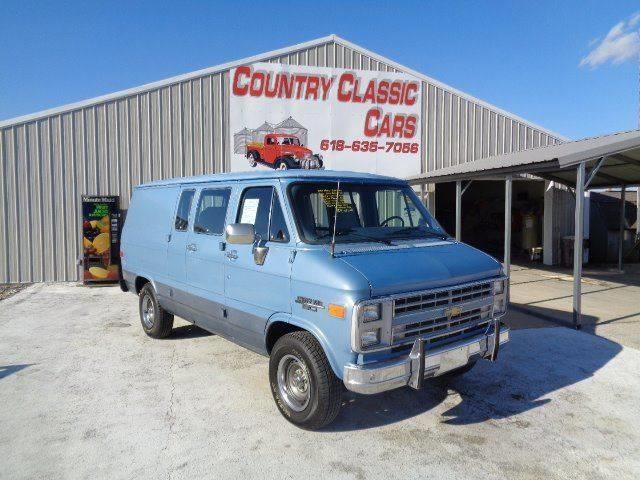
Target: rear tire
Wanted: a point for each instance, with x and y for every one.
(304, 387)
(156, 321)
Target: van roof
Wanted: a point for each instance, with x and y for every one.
(271, 174)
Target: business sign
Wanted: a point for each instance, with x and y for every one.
(352, 119)
(100, 238)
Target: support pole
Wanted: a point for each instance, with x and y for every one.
(637, 212)
(458, 210)
(623, 198)
(508, 194)
(548, 245)
(577, 248)
(431, 198)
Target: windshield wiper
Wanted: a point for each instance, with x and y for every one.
(350, 231)
(431, 233)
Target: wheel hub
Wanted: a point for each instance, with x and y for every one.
(293, 382)
(148, 311)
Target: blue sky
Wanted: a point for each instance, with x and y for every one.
(524, 57)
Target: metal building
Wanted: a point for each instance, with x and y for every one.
(179, 127)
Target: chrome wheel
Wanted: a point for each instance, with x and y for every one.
(293, 382)
(148, 311)
(282, 165)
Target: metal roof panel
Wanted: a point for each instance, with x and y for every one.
(553, 157)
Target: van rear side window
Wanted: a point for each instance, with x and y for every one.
(212, 210)
(182, 215)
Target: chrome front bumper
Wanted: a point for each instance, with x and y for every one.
(406, 370)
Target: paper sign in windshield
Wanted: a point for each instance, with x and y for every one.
(249, 210)
(329, 197)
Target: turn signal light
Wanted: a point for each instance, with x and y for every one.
(337, 311)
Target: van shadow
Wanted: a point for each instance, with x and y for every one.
(185, 332)
(532, 366)
(6, 370)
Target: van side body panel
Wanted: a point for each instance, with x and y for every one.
(144, 235)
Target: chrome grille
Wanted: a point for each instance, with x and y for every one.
(440, 315)
(428, 300)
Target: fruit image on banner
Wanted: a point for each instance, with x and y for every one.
(100, 238)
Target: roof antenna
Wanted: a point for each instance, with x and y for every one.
(335, 221)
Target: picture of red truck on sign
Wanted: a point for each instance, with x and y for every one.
(279, 146)
(282, 151)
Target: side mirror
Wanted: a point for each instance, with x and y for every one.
(240, 234)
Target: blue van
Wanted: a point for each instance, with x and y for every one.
(343, 279)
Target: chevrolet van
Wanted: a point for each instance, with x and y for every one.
(342, 279)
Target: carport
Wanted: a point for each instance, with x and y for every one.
(599, 162)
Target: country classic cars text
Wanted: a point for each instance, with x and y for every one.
(348, 87)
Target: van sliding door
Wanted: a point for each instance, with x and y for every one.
(205, 258)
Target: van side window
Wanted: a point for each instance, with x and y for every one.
(261, 207)
(278, 229)
(255, 208)
(182, 215)
(212, 211)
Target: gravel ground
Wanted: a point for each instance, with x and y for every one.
(86, 394)
(8, 289)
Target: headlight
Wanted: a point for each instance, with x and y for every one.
(370, 338)
(371, 326)
(370, 313)
(499, 305)
(499, 297)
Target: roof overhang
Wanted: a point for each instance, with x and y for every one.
(614, 160)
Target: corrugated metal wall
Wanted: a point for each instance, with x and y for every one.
(563, 220)
(178, 129)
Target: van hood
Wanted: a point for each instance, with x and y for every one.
(419, 267)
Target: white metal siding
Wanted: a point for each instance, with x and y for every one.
(179, 129)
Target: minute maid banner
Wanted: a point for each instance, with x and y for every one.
(357, 120)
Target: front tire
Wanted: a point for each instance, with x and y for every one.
(282, 164)
(156, 321)
(303, 385)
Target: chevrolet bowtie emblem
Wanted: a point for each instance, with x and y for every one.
(453, 312)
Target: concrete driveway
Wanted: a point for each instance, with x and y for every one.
(610, 301)
(85, 394)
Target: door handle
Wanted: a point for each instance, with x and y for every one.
(192, 247)
(232, 254)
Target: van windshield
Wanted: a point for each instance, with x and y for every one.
(363, 212)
